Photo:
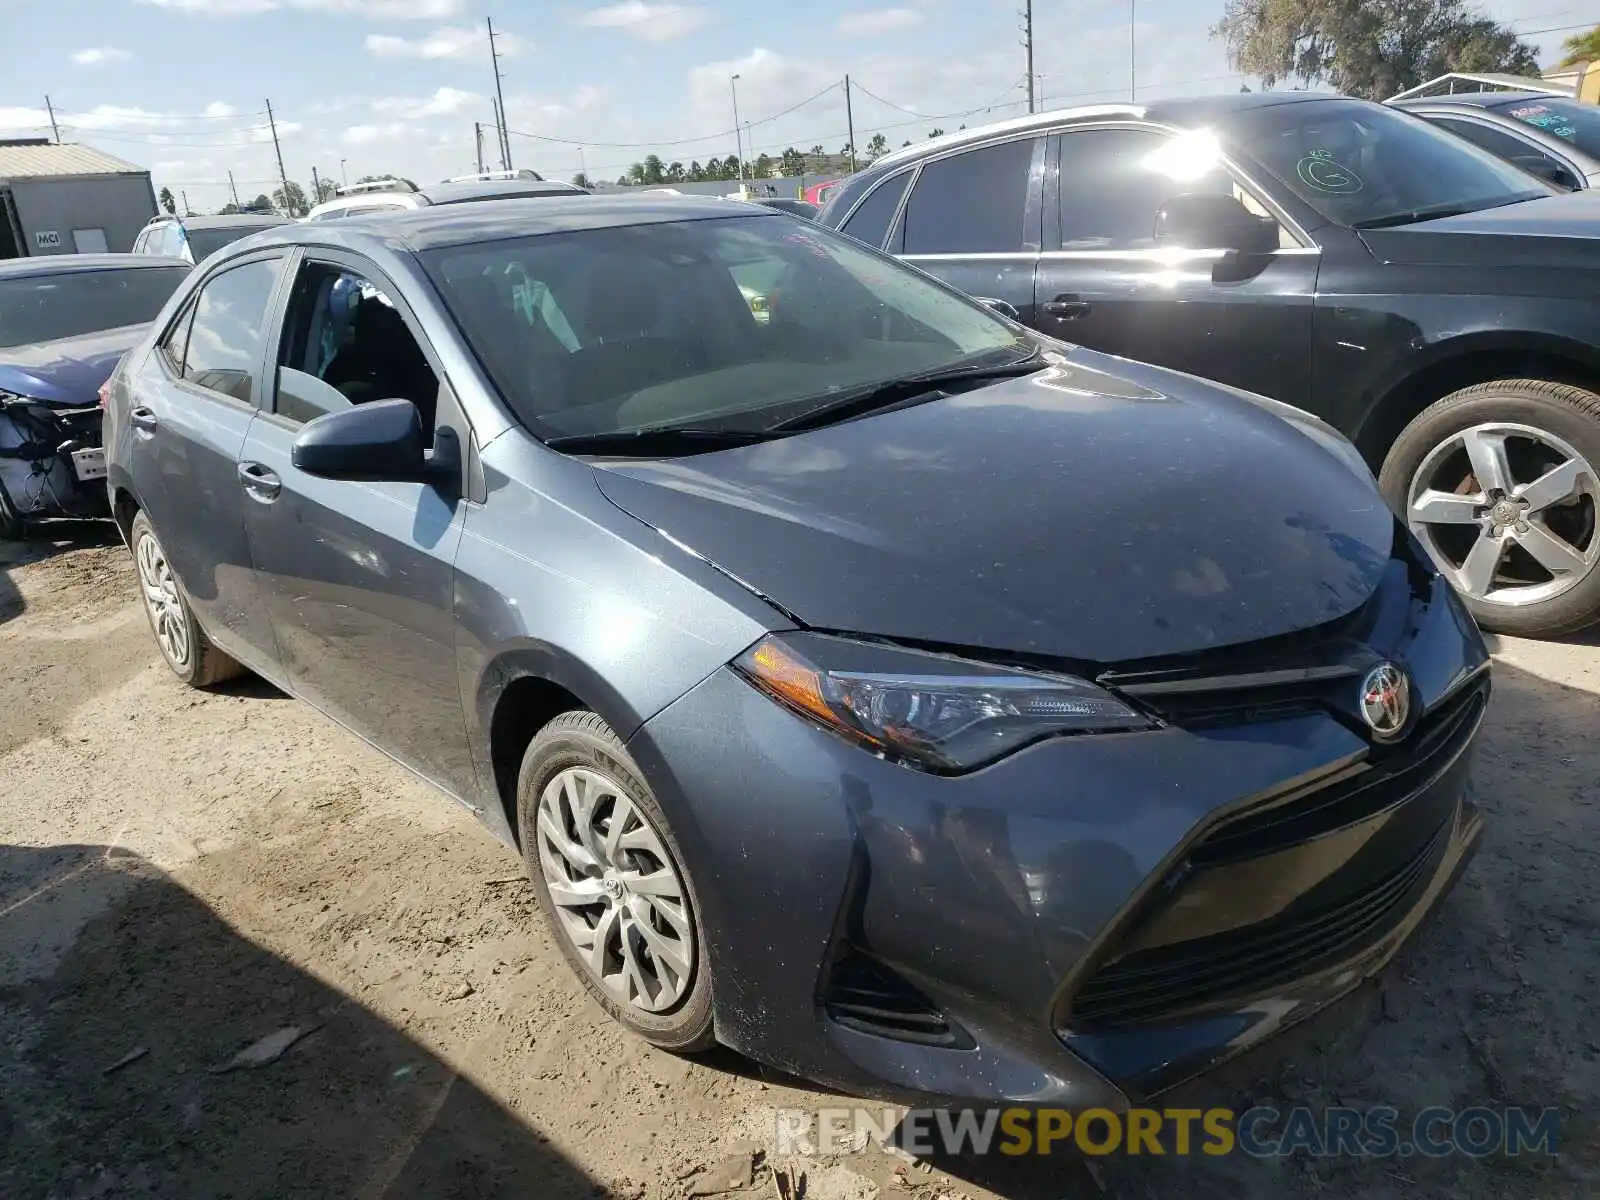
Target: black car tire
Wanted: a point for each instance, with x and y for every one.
(12, 528)
(583, 739)
(1572, 414)
(204, 665)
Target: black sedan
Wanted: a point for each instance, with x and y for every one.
(1554, 137)
(1431, 301)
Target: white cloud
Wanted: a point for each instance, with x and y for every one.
(884, 20)
(450, 41)
(391, 10)
(445, 102)
(651, 22)
(94, 56)
(387, 131)
(218, 109)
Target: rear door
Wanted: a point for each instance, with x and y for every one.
(190, 404)
(973, 219)
(360, 577)
(1104, 283)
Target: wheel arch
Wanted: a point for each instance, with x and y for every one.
(1462, 362)
(519, 692)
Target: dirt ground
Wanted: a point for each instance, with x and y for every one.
(185, 874)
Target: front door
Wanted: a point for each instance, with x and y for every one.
(190, 405)
(1103, 282)
(360, 577)
(973, 220)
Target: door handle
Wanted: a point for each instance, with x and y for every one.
(1067, 306)
(143, 419)
(260, 482)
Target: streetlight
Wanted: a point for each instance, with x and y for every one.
(738, 145)
(343, 174)
(583, 164)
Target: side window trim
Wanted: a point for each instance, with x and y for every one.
(191, 307)
(180, 323)
(894, 241)
(1241, 178)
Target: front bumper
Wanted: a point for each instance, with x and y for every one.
(1084, 923)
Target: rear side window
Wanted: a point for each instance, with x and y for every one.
(870, 222)
(1511, 148)
(971, 203)
(224, 351)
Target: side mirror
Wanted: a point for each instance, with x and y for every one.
(1008, 311)
(377, 442)
(1208, 221)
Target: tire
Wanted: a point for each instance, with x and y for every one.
(183, 644)
(12, 528)
(578, 750)
(1524, 429)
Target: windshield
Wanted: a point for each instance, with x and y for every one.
(41, 308)
(1565, 119)
(204, 242)
(1357, 163)
(730, 323)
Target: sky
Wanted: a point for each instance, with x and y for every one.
(378, 87)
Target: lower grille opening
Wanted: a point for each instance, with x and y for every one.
(868, 997)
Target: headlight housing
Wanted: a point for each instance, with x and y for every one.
(934, 712)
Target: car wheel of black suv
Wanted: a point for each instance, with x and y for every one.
(183, 643)
(1498, 482)
(611, 881)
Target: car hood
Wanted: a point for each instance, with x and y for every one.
(67, 370)
(1552, 232)
(1099, 511)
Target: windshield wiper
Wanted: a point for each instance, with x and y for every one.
(1440, 211)
(879, 396)
(665, 441)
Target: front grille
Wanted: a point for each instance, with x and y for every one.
(870, 998)
(1148, 986)
(1148, 981)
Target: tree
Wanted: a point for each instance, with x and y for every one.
(624, 181)
(792, 162)
(676, 173)
(905, 143)
(290, 199)
(1581, 48)
(697, 173)
(262, 203)
(635, 174)
(581, 180)
(167, 200)
(654, 172)
(763, 167)
(933, 133)
(817, 151)
(1368, 48)
(325, 189)
(877, 147)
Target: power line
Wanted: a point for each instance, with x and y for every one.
(690, 141)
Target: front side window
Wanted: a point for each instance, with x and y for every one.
(345, 343)
(1508, 146)
(731, 323)
(871, 220)
(1566, 119)
(972, 203)
(224, 349)
(1367, 166)
(41, 308)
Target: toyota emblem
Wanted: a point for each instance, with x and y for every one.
(1386, 701)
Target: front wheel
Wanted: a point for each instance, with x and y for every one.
(612, 884)
(1498, 481)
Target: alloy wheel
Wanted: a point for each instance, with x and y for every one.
(615, 891)
(1510, 513)
(162, 601)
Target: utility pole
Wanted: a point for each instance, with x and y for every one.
(850, 123)
(500, 132)
(738, 146)
(283, 175)
(232, 187)
(1133, 84)
(50, 108)
(316, 186)
(1027, 41)
(477, 141)
(500, 97)
(344, 174)
(187, 211)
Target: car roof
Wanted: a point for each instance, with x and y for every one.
(62, 264)
(428, 228)
(497, 189)
(1478, 99)
(1188, 110)
(224, 221)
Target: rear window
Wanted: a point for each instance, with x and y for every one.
(1568, 120)
(870, 221)
(204, 242)
(40, 308)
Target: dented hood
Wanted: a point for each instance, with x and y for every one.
(1099, 511)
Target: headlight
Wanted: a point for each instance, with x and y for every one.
(931, 711)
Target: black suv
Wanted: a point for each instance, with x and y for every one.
(1433, 302)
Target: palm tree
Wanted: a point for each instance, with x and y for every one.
(1581, 47)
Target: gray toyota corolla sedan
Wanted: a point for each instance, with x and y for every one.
(870, 684)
